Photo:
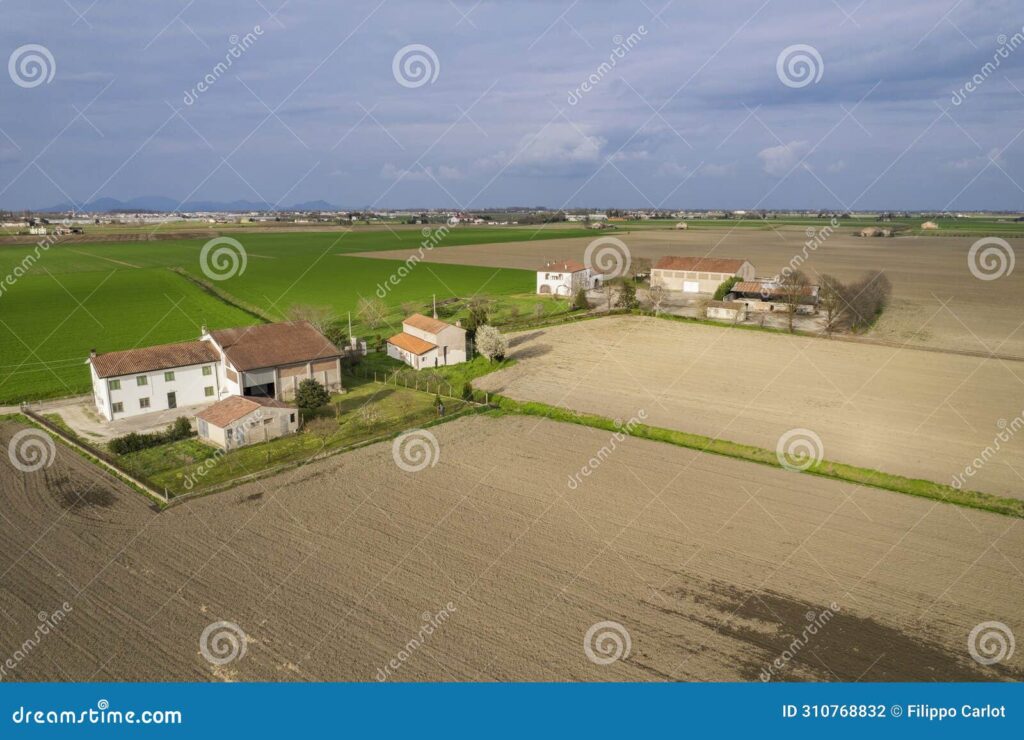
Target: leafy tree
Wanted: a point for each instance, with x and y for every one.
(726, 287)
(467, 391)
(491, 343)
(311, 395)
(627, 296)
(580, 302)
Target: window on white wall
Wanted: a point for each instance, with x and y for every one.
(143, 403)
(141, 380)
(208, 370)
(115, 385)
(117, 408)
(169, 376)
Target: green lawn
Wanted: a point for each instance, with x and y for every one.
(367, 411)
(48, 324)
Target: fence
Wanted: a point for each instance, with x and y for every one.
(417, 381)
(101, 457)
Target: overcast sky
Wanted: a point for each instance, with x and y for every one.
(696, 111)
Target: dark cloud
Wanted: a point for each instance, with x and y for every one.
(591, 103)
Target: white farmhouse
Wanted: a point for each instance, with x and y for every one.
(426, 342)
(565, 278)
(268, 360)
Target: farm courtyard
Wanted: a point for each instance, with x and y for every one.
(712, 565)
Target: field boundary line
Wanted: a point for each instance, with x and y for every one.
(223, 296)
(824, 468)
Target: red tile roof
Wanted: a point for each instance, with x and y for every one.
(565, 266)
(411, 344)
(768, 289)
(700, 264)
(233, 408)
(271, 345)
(425, 323)
(149, 359)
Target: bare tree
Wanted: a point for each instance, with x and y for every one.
(867, 299)
(793, 290)
(832, 301)
(638, 267)
(372, 311)
(321, 317)
(410, 307)
(656, 295)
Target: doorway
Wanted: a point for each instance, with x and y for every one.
(172, 400)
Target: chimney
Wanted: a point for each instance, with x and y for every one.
(92, 353)
(435, 305)
(458, 323)
(202, 330)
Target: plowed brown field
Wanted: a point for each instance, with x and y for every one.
(712, 566)
(917, 414)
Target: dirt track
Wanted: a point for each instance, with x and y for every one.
(916, 414)
(712, 566)
(936, 300)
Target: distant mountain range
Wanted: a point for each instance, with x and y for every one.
(157, 203)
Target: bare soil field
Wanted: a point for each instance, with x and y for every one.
(902, 411)
(712, 566)
(937, 302)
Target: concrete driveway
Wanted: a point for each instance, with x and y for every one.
(80, 414)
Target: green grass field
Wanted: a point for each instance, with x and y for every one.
(112, 296)
(48, 324)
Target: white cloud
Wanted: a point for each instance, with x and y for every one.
(420, 174)
(558, 147)
(837, 166)
(780, 160)
(973, 163)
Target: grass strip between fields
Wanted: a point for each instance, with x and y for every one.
(824, 468)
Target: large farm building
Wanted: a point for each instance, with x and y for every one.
(268, 361)
(698, 274)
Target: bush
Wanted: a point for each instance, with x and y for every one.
(311, 395)
(580, 302)
(627, 296)
(725, 288)
(467, 391)
(180, 429)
